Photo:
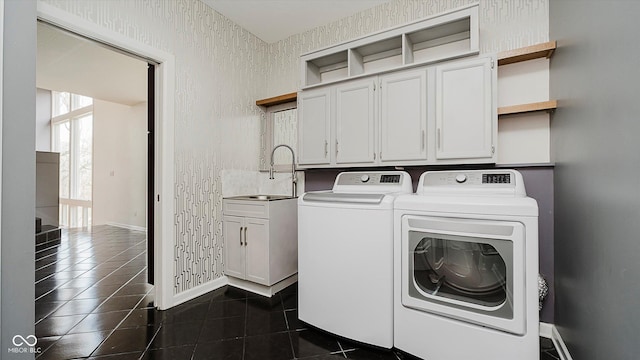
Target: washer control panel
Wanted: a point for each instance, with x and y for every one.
(373, 181)
(368, 178)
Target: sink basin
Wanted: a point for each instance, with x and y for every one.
(260, 197)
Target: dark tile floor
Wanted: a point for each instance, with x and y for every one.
(92, 301)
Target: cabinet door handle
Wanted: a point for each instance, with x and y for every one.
(240, 235)
(326, 148)
(422, 140)
(438, 139)
(336, 147)
(245, 236)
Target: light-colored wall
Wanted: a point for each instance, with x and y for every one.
(119, 164)
(504, 25)
(43, 120)
(220, 73)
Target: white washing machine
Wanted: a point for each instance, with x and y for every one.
(345, 256)
(466, 266)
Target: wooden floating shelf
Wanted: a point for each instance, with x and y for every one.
(543, 50)
(526, 108)
(277, 100)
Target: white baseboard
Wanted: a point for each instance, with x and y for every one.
(550, 331)
(263, 290)
(267, 291)
(546, 330)
(199, 290)
(127, 226)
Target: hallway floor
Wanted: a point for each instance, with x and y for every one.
(92, 301)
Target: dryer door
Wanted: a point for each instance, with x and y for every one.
(470, 270)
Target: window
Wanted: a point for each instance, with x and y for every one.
(72, 132)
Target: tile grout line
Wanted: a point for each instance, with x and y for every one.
(130, 311)
(195, 346)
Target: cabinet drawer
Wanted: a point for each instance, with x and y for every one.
(256, 209)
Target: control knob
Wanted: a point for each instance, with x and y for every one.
(364, 178)
(460, 178)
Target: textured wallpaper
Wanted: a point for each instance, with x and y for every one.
(220, 73)
(504, 25)
(221, 70)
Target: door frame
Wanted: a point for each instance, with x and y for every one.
(164, 137)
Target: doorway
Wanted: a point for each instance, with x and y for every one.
(99, 126)
(164, 72)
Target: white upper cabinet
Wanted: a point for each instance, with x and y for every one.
(403, 116)
(466, 110)
(397, 98)
(314, 106)
(355, 122)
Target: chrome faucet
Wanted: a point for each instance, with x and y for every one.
(294, 179)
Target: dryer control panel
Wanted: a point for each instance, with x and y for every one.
(494, 181)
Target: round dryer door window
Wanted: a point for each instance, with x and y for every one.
(466, 271)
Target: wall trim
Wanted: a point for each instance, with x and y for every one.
(561, 347)
(165, 105)
(1, 117)
(550, 331)
(200, 290)
(266, 291)
(546, 330)
(127, 226)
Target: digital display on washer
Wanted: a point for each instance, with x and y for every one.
(393, 179)
(496, 178)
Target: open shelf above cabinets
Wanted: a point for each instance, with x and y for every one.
(446, 36)
(327, 68)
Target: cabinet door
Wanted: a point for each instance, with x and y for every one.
(465, 110)
(234, 257)
(355, 122)
(314, 125)
(257, 250)
(403, 116)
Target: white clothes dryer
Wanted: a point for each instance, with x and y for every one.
(466, 267)
(345, 256)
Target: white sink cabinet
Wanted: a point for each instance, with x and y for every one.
(260, 243)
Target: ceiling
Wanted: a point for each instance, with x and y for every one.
(274, 20)
(69, 63)
(66, 62)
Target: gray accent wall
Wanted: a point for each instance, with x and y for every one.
(595, 135)
(18, 173)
